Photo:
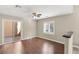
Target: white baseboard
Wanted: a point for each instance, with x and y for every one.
(75, 46)
(29, 37)
(51, 40)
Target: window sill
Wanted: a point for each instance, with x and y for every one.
(49, 33)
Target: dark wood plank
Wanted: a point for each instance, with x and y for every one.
(32, 46)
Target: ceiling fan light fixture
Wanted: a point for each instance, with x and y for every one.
(35, 15)
(18, 6)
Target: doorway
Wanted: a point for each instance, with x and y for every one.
(11, 31)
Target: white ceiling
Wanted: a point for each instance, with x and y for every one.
(45, 10)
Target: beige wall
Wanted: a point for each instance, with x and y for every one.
(62, 24)
(29, 28)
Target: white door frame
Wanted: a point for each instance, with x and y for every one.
(3, 29)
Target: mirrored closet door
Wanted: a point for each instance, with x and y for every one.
(11, 31)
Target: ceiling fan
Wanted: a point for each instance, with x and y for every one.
(18, 6)
(36, 15)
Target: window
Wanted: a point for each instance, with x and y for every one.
(49, 27)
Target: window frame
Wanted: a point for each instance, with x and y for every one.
(49, 22)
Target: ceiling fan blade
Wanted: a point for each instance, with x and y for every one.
(38, 15)
(34, 14)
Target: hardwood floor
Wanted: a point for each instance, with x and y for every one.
(32, 46)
